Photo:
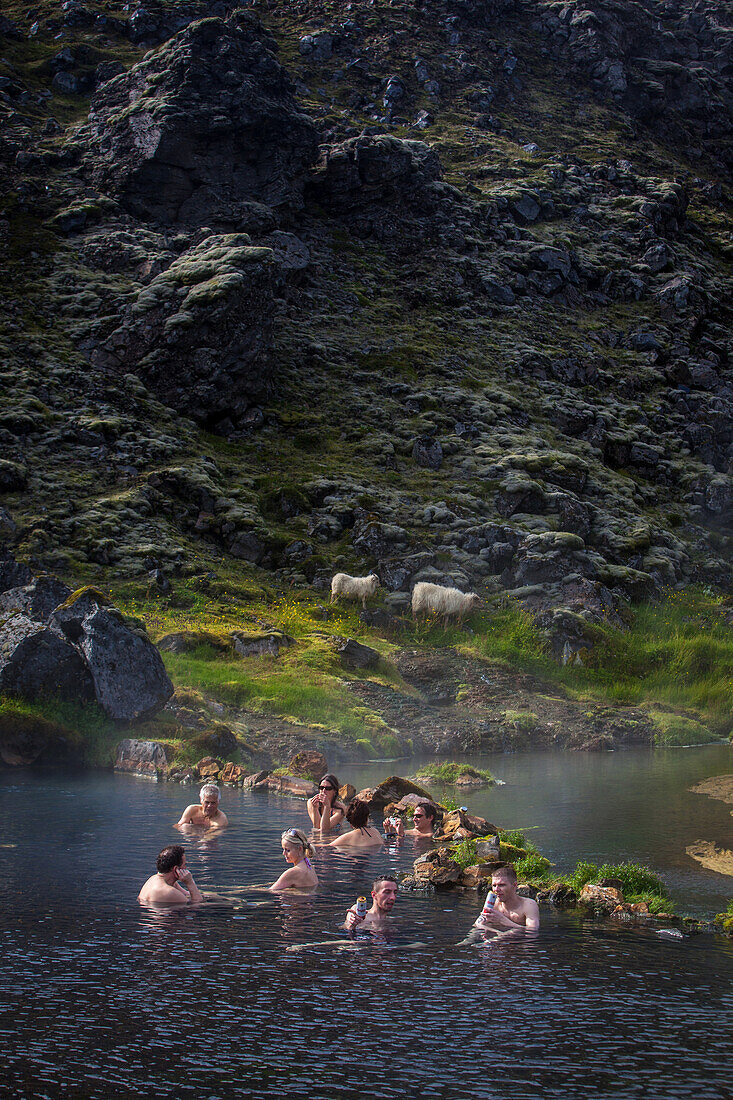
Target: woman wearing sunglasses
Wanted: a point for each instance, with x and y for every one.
(325, 809)
(297, 850)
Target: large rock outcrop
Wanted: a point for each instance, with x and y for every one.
(77, 651)
(199, 334)
(201, 127)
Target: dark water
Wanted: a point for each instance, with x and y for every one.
(103, 999)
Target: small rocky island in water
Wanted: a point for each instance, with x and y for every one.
(438, 294)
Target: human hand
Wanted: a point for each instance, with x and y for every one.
(353, 919)
(491, 918)
(183, 874)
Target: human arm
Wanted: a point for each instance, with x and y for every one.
(501, 922)
(188, 815)
(331, 811)
(185, 879)
(314, 811)
(353, 920)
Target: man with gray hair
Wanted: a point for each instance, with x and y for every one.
(207, 813)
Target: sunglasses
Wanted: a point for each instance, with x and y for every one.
(416, 817)
(326, 787)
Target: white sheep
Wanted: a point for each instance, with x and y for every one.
(354, 588)
(439, 600)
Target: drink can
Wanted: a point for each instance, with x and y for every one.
(490, 901)
(361, 907)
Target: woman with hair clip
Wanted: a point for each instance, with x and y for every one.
(325, 809)
(297, 850)
(362, 834)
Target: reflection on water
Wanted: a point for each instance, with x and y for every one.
(104, 998)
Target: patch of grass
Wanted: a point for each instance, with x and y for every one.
(677, 731)
(464, 853)
(639, 883)
(533, 868)
(449, 773)
(83, 732)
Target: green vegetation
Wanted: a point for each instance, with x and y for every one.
(677, 653)
(639, 883)
(59, 729)
(450, 773)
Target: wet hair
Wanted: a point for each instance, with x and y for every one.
(357, 814)
(211, 789)
(383, 878)
(332, 780)
(508, 872)
(428, 807)
(170, 857)
(297, 836)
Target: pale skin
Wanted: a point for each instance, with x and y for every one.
(324, 808)
(299, 875)
(206, 813)
(365, 837)
(511, 912)
(175, 887)
(422, 826)
(383, 900)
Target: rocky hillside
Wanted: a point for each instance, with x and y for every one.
(437, 289)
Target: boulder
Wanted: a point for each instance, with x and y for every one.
(256, 779)
(603, 899)
(354, 655)
(36, 600)
(130, 680)
(145, 758)
(392, 789)
(201, 128)
(290, 784)
(373, 169)
(217, 739)
(458, 824)
(209, 767)
(308, 764)
(258, 645)
(436, 868)
(233, 774)
(35, 663)
(13, 574)
(347, 793)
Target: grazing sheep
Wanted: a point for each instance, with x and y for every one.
(354, 588)
(439, 600)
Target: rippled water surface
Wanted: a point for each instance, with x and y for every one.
(104, 999)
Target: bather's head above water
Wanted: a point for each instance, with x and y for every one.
(209, 796)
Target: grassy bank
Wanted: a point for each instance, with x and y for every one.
(675, 660)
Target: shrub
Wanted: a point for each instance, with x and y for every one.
(533, 866)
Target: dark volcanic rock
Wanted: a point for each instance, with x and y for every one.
(368, 169)
(36, 600)
(35, 663)
(201, 126)
(355, 655)
(199, 334)
(130, 680)
(13, 574)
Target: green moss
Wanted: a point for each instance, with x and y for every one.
(449, 773)
(677, 730)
